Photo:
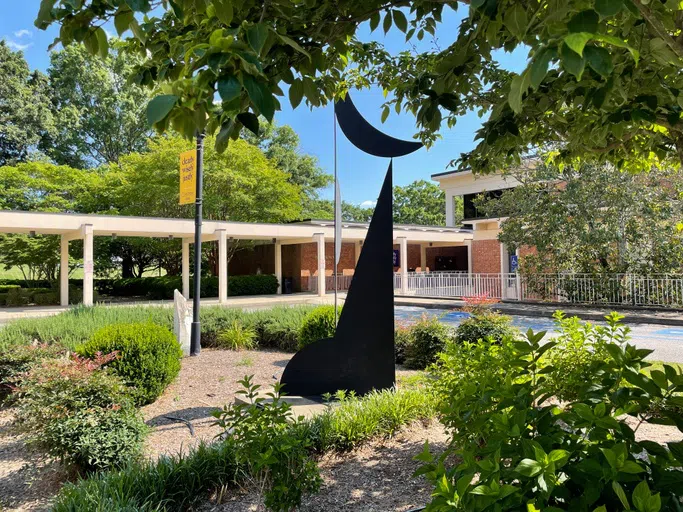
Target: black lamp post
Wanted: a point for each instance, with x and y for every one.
(196, 332)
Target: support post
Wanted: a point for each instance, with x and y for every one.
(320, 240)
(358, 247)
(450, 210)
(423, 257)
(64, 271)
(222, 266)
(403, 244)
(88, 265)
(186, 269)
(278, 267)
(195, 338)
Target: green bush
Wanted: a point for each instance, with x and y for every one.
(4, 288)
(19, 360)
(45, 299)
(317, 325)
(149, 356)
(18, 297)
(402, 338)
(80, 413)
(237, 337)
(484, 326)
(273, 458)
(516, 450)
(428, 337)
(279, 327)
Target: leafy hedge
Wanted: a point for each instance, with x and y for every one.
(162, 287)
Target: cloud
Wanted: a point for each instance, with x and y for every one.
(369, 204)
(13, 45)
(23, 32)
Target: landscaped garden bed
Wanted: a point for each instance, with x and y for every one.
(487, 383)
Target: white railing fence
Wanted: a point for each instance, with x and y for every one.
(609, 289)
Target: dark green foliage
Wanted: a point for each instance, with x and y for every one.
(402, 337)
(485, 326)
(317, 325)
(428, 337)
(271, 455)
(21, 359)
(176, 483)
(80, 413)
(4, 288)
(149, 356)
(279, 327)
(237, 337)
(517, 450)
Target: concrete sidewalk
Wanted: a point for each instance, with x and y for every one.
(593, 313)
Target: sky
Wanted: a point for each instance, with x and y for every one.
(360, 175)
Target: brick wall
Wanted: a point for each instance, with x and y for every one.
(250, 261)
(413, 256)
(485, 256)
(309, 258)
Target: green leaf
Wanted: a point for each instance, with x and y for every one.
(585, 21)
(385, 113)
(159, 108)
(608, 7)
(400, 20)
(631, 467)
(615, 41)
(223, 137)
(291, 42)
(658, 376)
(641, 495)
(528, 467)
(122, 21)
(515, 20)
(611, 457)
(91, 43)
(559, 457)
(676, 450)
(224, 10)
(138, 5)
(44, 14)
(643, 382)
(296, 92)
(102, 43)
(387, 22)
(256, 36)
(260, 96)
(229, 87)
(619, 491)
(577, 41)
(599, 59)
(572, 61)
(250, 121)
(518, 86)
(539, 67)
(374, 21)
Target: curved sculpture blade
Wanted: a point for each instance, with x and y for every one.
(366, 137)
(360, 356)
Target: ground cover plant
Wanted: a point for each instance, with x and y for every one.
(317, 325)
(519, 449)
(148, 356)
(177, 483)
(80, 413)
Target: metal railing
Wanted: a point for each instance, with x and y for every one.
(608, 289)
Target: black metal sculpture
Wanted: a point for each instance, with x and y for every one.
(360, 356)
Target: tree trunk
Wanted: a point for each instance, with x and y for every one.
(127, 268)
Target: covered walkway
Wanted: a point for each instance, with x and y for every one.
(71, 226)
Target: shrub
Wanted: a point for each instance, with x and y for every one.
(279, 327)
(149, 356)
(4, 288)
(402, 337)
(237, 337)
(17, 361)
(45, 299)
(485, 326)
(317, 325)
(270, 454)
(18, 297)
(428, 337)
(518, 451)
(80, 413)
(577, 357)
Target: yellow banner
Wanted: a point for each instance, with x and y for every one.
(188, 177)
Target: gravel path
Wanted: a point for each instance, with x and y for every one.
(377, 477)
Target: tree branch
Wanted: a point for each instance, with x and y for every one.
(659, 29)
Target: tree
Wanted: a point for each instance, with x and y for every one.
(422, 202)
(24, 107)
(594, 219)
(281, 145)
(603, 81)
(99, 115)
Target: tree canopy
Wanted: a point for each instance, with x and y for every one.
(98, 114)
(422, 202)
(603, 81)
(593, 219)
(24, 107)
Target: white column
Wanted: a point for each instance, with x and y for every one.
(222, 266)
(278, 267)
(403, 245)
(320, 240)
(450, 213)
(88, 265)
(64, 271)
(423, 257)
(186, 268)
